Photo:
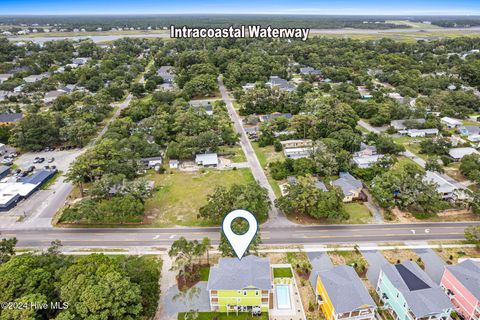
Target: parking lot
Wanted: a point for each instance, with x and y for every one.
(62, 159)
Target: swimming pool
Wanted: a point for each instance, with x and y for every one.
(283, 297)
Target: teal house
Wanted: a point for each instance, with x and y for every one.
(409, 294)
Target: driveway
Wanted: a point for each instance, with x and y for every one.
(320, 261)
(375, 262)
(434, 265)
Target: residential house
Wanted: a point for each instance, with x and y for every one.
(36, 77)
(296, 149)
(366, 161)
(5, 76)
(396, 96)
(274, 115)
(173, 164)
(462, 285)
(248, 86)
(151, 162)
(405, 123)
(299, 143)
(52, 95)
(68, 88)
(366, 150)
(240, 285)
(364, 92)
(451, 122)
(80, 60)
(7, 119)
(458, 153)
(469, 130)
(414, 133)
(474, 138)
(281, 84)
(207, 159)
(342, 295)
(310, 71)
(202, 104)
(18, 89)
(351, 187)
(409, 294)
(166, 72)
(448, 190)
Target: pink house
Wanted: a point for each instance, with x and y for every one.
(462, 285)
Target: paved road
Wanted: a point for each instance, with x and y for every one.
(413, 157)
(324, 234)
(275, 216)
(371, 128)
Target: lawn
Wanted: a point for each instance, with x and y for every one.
(402, 161)
(51, 181)
(179, 195)
(236, 153)
(265, 155)
(282, 273)
(204, 273)
(224, 316)
(451, 255)
(358, 213)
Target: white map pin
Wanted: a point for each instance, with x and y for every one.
(240, 242)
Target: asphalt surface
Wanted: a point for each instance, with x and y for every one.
(317, 235)
(275, 216)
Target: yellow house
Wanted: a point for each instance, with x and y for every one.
(7, 119)
(342, 295)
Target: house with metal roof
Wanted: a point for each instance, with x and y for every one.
(409, 294)
(451, 122)
(310, 71)
(447, 189)
(240, 285)
(206, 159)
(461, 283)
(341, 295)
(366, 161)
(53, 95)
(350, 186)
(458, 153)
(274, 115)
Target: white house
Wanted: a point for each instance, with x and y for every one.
(366, 161)
(5, 76)
(422, 132)
(52, 95)
(448, 190)
(458, 153)
(207, 159)
(451, 122)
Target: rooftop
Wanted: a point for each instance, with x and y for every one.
(235, 274)
(345, 289)
(10, 117)
(468, 274)
(422, 295)
(347, 183)
(459, 153)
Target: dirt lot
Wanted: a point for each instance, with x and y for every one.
(451, 255)
(397, 255)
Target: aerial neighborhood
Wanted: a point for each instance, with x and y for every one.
(123, 150)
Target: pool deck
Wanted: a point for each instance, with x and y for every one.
(294, 313)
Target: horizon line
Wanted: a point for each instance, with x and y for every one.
(477, 14)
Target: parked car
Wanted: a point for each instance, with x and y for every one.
(51, 160)
(7, 162)
(30, 169)
(40, 160)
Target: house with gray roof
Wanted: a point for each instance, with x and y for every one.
(166, 72)
(280, 83)
(469, 130)
(5, 76)
(408, 293)
(350, 186)
(461, 283)
(310, 71)
(341, 294)
(10, 118)
(458, 153)
(240, 284)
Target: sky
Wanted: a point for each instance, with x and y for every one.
(326, 7)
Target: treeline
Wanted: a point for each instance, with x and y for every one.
(92, 286)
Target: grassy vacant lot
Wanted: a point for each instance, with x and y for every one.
(358, 213)
(282, 273)
(265, 155)
(236, 152)
(179, 195)
(223, 316)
